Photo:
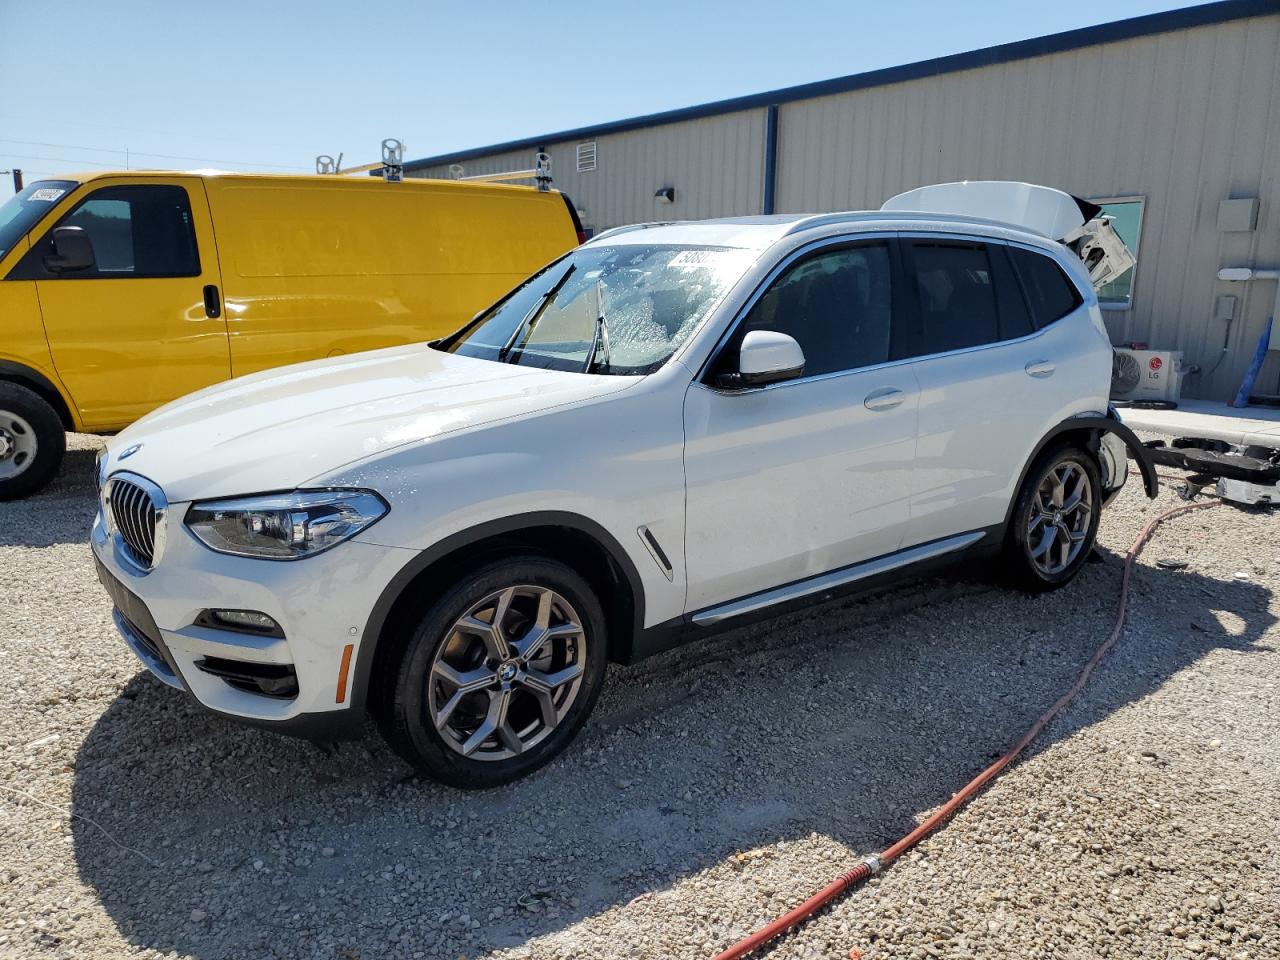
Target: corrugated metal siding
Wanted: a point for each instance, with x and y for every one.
(1184, 119)
(716, 165)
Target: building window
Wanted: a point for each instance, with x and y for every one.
(1127, 211)
(586, 156)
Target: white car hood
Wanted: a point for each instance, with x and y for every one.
(278, 429)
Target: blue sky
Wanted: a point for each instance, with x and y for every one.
(268, 85)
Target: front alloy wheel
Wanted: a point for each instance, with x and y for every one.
(508, 672)
(499, 674)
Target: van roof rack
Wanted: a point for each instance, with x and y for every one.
(391, 165)
(540, 173)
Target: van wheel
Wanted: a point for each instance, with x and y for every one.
(1055, 519)
(32, 441)
(499, 675)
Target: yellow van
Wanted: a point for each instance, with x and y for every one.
(122, 291)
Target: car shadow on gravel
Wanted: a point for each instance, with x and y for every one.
(60, 513)
(848, 721)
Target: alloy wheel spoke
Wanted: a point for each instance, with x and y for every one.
(1076, 495)
(1041, 549)
(532, 643)
(550, 682)
(546, 704)
(546, 600)
(494, 720)
(464, 683)
(1059, 489)
(1064, 548)
(491, 634)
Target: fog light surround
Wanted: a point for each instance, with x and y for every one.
(240, 621)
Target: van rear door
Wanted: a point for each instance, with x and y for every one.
(143, 325)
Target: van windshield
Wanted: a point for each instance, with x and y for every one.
(24, 210)
(652, 298)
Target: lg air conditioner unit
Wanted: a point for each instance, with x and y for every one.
(1146, 376)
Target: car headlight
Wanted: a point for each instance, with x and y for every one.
(100, 467)
(284, 526)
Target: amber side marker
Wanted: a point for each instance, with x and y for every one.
(342, 673)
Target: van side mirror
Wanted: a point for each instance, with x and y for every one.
(72, 250)
(765, 357)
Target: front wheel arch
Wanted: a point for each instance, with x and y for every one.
(569, 538)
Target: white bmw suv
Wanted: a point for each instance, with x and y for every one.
(671, 429)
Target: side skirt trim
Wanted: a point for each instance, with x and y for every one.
(836, 578)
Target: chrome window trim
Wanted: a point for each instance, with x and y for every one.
(845, 239)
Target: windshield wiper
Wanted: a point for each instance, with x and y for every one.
(534, 313)
(600, 337)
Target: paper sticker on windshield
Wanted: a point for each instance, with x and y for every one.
(695, 258)
(715, 260)
(47, 194)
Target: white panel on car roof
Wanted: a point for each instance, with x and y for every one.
(1043, 210)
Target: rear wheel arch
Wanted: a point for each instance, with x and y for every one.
(42, 386)
(579, 543)
(1086, 433)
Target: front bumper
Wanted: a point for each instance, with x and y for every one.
(321, 603)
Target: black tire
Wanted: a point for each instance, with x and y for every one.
(32, 441)
(403, 710)
(1026, 563)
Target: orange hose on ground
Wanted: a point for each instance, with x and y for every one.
(872, 865)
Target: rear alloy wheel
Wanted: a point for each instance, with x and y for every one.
(32, 441)
(1055, 520)
(500, 675)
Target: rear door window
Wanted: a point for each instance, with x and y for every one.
(137, 231)
(1049, 291)
(956, 292)
(967, 295)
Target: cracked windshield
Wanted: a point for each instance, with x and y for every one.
(613, 310)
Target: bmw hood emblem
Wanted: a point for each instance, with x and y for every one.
(128, 452)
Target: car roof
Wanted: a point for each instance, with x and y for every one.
(760, 232)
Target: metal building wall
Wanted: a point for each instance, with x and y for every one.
(715, 164)
(1184, 119)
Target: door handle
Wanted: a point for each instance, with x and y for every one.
(1040, 369)
(212, 302)
(884, 399)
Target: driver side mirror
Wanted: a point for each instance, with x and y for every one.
(71, 250)
(765, 357)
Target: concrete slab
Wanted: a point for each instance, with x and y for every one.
(1255, 426)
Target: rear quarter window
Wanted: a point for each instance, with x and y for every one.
(1050, 293)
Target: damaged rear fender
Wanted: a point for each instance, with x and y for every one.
(1099, 426)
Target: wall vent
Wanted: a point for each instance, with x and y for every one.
(586, 156)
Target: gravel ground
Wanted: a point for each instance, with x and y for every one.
(715, 786)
